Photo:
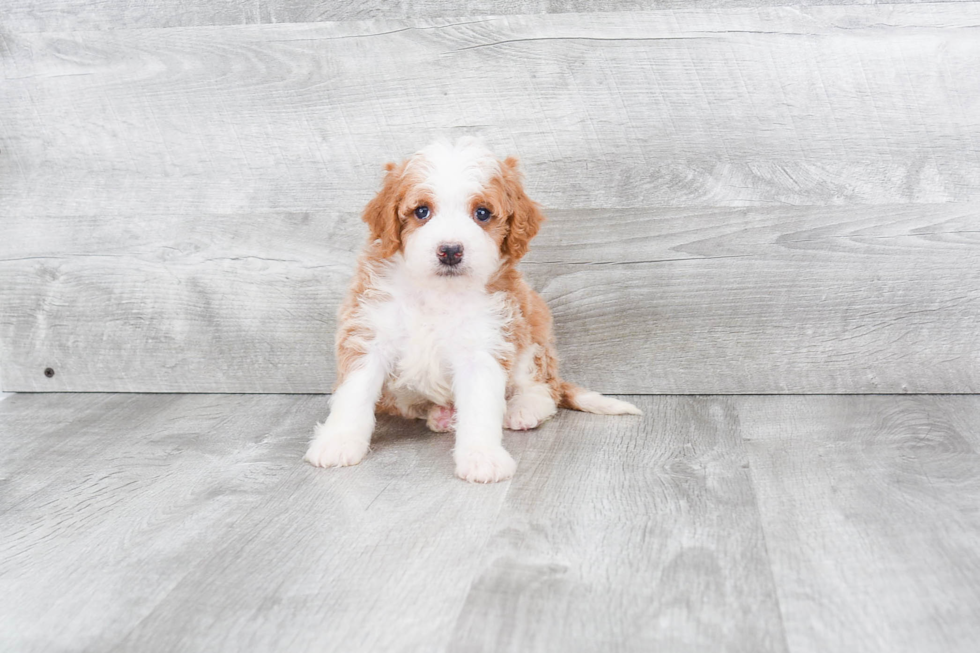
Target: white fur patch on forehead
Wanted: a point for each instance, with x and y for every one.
(466, 165)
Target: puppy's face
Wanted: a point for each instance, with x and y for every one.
(455, 212)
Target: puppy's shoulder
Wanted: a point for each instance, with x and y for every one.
(520, 293)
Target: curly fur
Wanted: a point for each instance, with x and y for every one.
(467, 346)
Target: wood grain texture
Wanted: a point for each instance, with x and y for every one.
(812, 106)
(378, 557)
(108, 499)
(628, 535)
(182, 305)
(177, 203)
(3, 395)
(74, 15)
(786, 300)
(189, 522)
(870, 510)
(167, 522)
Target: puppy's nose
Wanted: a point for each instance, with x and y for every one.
(450, 253)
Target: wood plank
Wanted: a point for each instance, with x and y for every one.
(812, 106)
(769, 301)
(75, 15)
(736, 300)
(175, 305)
(870, 511)
(107, 500)
(628, 534)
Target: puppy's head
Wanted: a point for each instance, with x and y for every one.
(455, 212)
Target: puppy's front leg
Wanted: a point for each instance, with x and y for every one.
(344, 438)
(479, 384)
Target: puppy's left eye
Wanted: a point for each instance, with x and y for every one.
(482, 214)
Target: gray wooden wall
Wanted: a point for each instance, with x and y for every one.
(743, 197)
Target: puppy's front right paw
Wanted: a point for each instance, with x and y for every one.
(336, 451)
(484, 464)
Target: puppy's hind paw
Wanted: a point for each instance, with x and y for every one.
(441, 419)
(484, 464)
(528, 410)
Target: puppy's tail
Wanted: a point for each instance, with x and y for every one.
(587, 401)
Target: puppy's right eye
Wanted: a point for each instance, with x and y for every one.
(422, 212)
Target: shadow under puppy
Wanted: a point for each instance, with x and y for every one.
(438, 323)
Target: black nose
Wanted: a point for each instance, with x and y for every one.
(450, 254)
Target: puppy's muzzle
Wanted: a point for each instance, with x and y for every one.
(450, 254)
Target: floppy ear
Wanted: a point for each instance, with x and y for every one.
(525, 215)
(381, 213)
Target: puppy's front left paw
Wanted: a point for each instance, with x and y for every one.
(484, 464)
(336, 451)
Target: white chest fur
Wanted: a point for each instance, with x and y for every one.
(423, 333)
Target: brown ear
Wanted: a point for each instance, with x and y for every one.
(525, 218)
(381, 213)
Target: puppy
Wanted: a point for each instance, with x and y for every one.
(439, 324)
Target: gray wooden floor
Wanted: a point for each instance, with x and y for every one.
(755, 523)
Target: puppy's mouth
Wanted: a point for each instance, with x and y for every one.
(450, 271)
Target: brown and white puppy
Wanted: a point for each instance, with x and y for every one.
(439, 324)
